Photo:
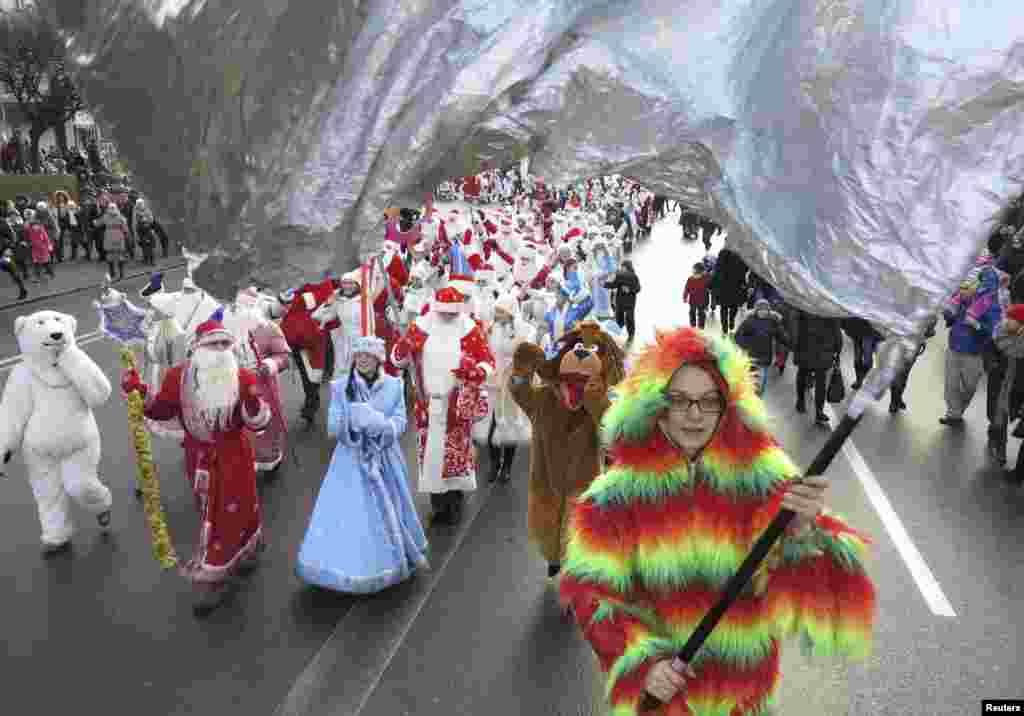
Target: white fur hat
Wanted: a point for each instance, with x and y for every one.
(369, 344)
(507, 302)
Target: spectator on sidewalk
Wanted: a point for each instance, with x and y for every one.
(143, 230)
(45, 217)
(115, 239)
(22, 246)
(8, 254)
(42, 247)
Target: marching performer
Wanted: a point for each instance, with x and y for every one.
(309, 341)
(216, 401)
(260, 346)
(507, 425)
(451, 359)
(364, 534)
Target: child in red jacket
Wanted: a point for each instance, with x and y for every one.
(42, 247)
(696, 294)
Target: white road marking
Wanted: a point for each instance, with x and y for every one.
(923, 576)
(82, 340)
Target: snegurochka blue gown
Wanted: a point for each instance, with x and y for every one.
(364, 535)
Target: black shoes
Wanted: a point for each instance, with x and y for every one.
(506, 473)
(821, 419)
(447, 507)
(800, 407)
(952, 421)
(896, 406)
(554, 568)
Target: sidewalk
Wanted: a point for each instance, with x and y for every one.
(74, 276)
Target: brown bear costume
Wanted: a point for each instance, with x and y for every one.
(565, 411)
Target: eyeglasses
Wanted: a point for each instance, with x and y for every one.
(707, 404)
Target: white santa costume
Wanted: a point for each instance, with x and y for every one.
(417, 293)
(507, 426)
(482, 303)
(166, 346)
(450, 356)
(351, 308)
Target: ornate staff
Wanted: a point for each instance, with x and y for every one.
(122, 321)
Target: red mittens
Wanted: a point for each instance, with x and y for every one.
(131, 381)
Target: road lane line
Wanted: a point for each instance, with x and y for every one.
(926, 582)
(83, 340)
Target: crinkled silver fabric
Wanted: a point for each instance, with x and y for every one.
(854, 149)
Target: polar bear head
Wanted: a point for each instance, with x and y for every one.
(44, 335)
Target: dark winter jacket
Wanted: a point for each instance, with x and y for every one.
(626, 285)
(759, 337)
(816, 340)
(729, 284)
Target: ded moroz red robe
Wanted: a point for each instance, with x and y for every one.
(377, 282)
(220, 468)
(446, 413)
(260, 342)
(303, 333)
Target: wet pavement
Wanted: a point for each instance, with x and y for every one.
(102, 628)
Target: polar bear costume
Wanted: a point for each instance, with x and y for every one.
(46, 411)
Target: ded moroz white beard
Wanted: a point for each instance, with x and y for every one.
(213, 384)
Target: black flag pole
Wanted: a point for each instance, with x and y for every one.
(892, 360)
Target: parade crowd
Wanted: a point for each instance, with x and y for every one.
(507, 326)
(113, 223)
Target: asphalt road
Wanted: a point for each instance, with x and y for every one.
(103, 629)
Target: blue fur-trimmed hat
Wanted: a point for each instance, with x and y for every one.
(156, 285)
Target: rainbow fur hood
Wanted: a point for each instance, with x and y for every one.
(654, 539)
(742, 457)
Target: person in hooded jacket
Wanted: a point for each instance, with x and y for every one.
(626, 285)
(759, 335)
(817, 344)
(695, 478)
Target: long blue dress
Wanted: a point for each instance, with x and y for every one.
(364, 535)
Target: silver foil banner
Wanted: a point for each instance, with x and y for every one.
(856, 150)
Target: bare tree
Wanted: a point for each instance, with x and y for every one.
(33, 70)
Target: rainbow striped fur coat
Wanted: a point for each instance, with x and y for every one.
(655, 538)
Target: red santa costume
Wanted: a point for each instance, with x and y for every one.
(261, 347)
(451, 358)
(308, 339)
(384, 276)
(216, 402)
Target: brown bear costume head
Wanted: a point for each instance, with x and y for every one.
(586, 354)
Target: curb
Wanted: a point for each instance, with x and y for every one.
(67, 292)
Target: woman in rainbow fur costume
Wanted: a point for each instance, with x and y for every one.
(655, 538)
